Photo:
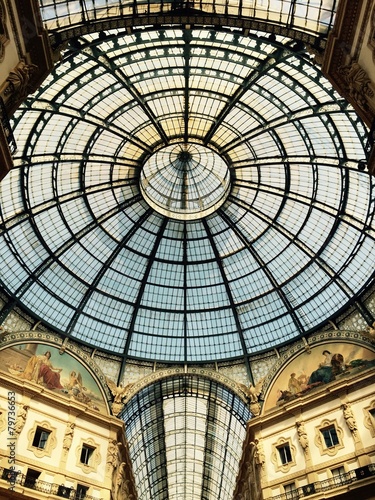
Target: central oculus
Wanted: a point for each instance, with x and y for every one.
(185, 181)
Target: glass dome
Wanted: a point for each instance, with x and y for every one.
(185, 181)
(186, 194)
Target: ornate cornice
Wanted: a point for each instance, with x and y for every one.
(183, 371)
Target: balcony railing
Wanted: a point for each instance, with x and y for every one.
(329, 484)
(59, 490)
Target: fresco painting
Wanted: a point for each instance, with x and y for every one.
(322, 365)
(44, 365)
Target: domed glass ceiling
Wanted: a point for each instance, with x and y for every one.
(273, 234)
(185, 181)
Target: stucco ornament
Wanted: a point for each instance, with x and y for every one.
(359, 84)
(252, 393)
(17, 82)
(349, 418)
(302, 435)
(119, 393)
(21, 419)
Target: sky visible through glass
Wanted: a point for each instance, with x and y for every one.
(288, 246)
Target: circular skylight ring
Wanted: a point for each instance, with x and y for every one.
(185, 181)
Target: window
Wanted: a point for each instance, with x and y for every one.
(31, 478)
(9, 475)
(370, 418)
(81, 492)
(86, 454)
(338, 475)
(330, 436)
(40, 438)
(284, 453)
(63, 491)
(290, 491)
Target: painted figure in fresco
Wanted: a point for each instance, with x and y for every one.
(327, 358)
(332, 365)
(294, 385)
(39, 369)
(75, 381)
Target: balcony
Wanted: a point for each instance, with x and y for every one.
(329, 484)
(15, 478)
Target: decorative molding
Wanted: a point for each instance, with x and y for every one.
(369, 417)
(4, 36)
(371, 38)
(367, 25)
(357, 84)
(51, 441)
(95, 458)
(14, 27)
(181, 371)
(3, 421)
(345, 42)
(341, 37)
(275, 458)
(319, 441)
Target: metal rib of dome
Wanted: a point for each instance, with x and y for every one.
(292, 244)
